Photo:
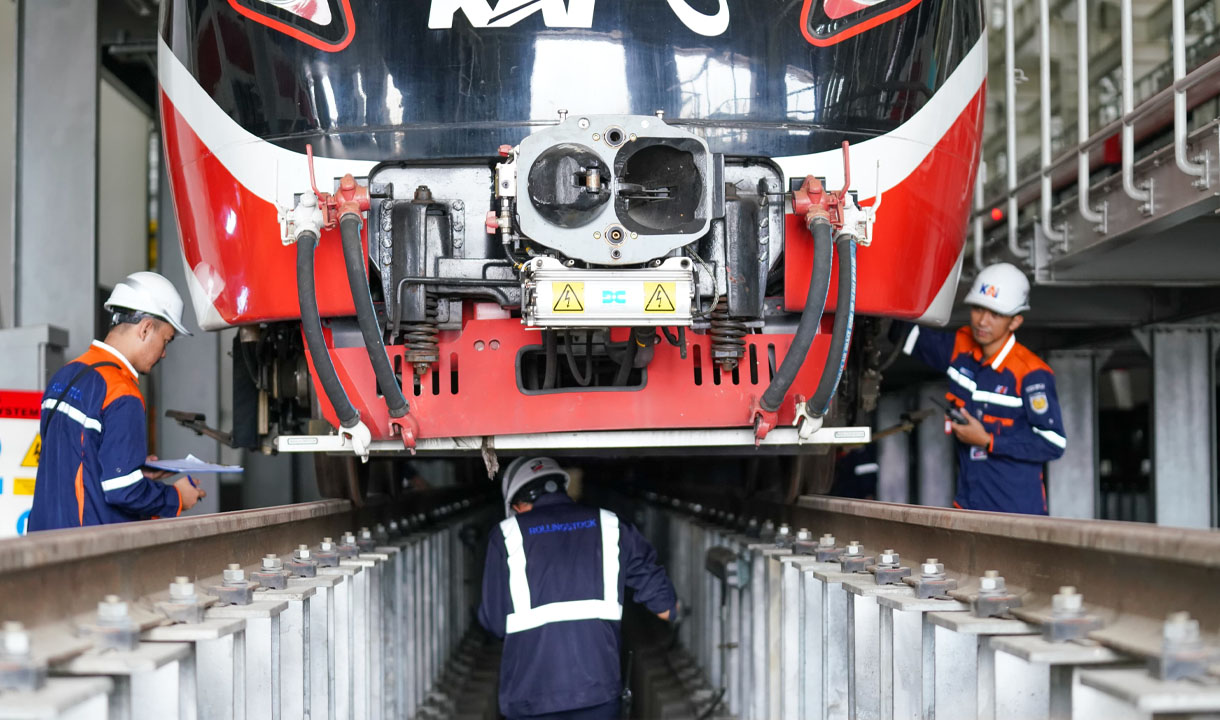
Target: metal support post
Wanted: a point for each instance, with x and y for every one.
(59, 699)
(295, 646)
(1010, 115)
(965, 678)
(1034, 677)
(57, 128)
(908, 640)
(831, 609)
(893, 452)
(937, 456)
(154, 681)
(1082, 118)
(1049, 230)
(1072, 482)
(219, 663)
(342, 685)
(1133, 694)
(871, 658)
(1184, 422)
(363, 587)
(773, 563)
(262, 656)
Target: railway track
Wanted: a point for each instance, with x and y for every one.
(781, 624)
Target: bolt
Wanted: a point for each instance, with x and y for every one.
(366, 534)
(1180, 630)
(327, 545)
(853, 548)
(583, 123)
(991, 582)
(1067, 602)
(301, 553)
(889, 557)
(112, 610)
(696, 508)
(459, 205)
(348, 538)
(933, 568)
(423, 193)
(234, 574)
(827, 541)
(563, 115)
(272, 562)
(660, 114)
(784, 529)
(182, 590)
(14, 640)
(804, 535)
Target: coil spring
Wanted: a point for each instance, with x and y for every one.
(420, 339)
(728, 336)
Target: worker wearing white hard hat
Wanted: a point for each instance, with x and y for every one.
(93, 428)
(553, 588)
(1004, 411)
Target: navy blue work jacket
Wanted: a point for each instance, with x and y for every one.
(1013, 395)
(556, 598)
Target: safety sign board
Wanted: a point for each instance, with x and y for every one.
(569, 297)
(20, 446)
(660, 297)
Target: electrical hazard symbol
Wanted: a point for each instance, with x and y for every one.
(31, 455)
(569, 297)
(660, 297)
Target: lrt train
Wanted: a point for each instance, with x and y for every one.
(475, 224)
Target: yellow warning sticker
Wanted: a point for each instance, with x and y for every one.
(660, 297)
(569, 297)
(23, 486)
(31, 455)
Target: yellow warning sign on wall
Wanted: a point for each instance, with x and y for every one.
(23, 486)
(31, 455)
(660, 297)
(569, 297)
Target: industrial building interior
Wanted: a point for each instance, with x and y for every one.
(335, 584)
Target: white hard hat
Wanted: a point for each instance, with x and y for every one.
(151, 294)
(523, 471)
(1001, 288)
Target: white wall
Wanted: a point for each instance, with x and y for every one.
(122, 211)
(8, 146)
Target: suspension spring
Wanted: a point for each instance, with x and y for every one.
(420, 339)
(728, 337)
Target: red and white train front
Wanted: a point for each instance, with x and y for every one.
(583, 223)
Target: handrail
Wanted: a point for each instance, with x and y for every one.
(1162, 98)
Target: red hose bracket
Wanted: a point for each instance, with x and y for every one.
(764, 421)
(813, 199)
(408, 429)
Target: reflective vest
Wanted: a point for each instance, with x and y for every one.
(527, 617)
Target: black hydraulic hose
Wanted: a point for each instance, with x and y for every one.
(628, 360)
(811, 317)
(552, 360)
(311, 325)
(840, 336)
(357, 280)
(582, 380)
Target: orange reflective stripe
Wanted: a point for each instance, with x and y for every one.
(80, 494)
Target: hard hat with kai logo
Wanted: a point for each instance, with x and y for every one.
(151, 294)
(1001, 288)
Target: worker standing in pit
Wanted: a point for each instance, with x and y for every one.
(553, 589)
(94, 432)
(1009, 422)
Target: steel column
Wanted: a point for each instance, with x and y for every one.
(57, 156)
(937, 456)
(1072, 481)
(893, 452)
(1184, 427)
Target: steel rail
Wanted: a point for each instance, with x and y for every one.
(49, 576)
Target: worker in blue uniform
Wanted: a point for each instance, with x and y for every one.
(553, 589)
(1009, 423)
(94, 432)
